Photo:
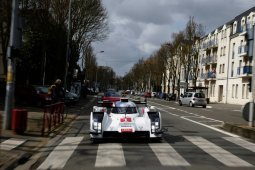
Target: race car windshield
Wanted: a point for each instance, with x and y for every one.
(124, 110)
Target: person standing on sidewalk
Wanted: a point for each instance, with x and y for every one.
(56, 92)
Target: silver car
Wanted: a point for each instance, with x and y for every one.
(193, 99)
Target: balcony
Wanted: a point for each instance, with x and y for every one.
(204, 75)
(212, 59)
(204, 61)
(243, 30)
(242, 50)
(211, 75)
(244, 71)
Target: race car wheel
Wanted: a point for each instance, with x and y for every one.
(180, 103)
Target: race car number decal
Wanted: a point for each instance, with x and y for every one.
(126, 119)
(126, 130)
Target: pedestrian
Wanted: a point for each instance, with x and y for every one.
(56, 91)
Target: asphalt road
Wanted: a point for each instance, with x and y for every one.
(193, 141)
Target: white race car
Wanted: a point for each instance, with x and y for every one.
(124, 119)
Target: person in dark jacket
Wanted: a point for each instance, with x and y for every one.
(56, 91)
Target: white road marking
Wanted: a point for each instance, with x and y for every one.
(110, 155)
(210, 127)
(163, 105)
(218, 153)
(213, 127)
(243, 143)
(60, 155)
(167, 155)
(236, 110)
(11, 144)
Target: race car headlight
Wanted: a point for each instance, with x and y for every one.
(154, 126)
(97, 126)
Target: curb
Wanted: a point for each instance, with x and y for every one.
(241, 130)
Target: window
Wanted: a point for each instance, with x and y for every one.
(232, 71)
(236, 95)
(243, 91)
(233, 51)
(233, 90)
(223, 68)
(220, 69)
(234, 27)
(224, 51)
(247, 91)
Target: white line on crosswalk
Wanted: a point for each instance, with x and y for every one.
(60, 155)
(167, 155)
(218, 153)
(243, 143)
(110, 155)
(11, 144)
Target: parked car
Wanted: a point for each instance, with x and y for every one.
(32, 95)
(147, 94)
(171, 96)
(193, 99)
(71, 97)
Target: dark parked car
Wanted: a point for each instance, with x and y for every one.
(147, 94)
(32, 95)
(171, 96)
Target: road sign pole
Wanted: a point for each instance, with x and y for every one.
(251, 114)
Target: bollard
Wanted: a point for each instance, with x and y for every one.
(19, 120)
(251, 114)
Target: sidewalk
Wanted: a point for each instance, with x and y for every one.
(9, 159)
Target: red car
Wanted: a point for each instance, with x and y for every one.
(112, 96)
(147, 94)
(32, 95)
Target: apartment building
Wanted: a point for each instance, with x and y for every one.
(226, 61)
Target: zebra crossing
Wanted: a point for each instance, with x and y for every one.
(11, 143)
(166, 154)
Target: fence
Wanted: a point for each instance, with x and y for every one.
(53, 115)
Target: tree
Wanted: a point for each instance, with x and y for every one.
(5, 24)
(193, 33)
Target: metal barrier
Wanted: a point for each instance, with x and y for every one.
(53, 115)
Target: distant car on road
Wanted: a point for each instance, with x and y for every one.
(171, 96)
(193, 99)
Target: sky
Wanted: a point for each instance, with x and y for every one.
(139, 27)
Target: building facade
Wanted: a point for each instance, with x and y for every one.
(226, 61)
